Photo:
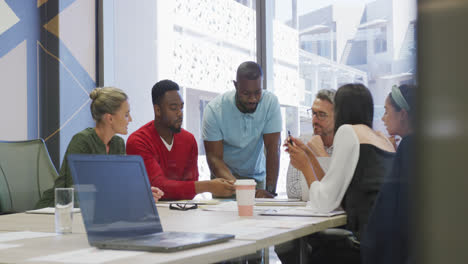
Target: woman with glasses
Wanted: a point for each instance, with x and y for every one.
(111, 112)
(386, 238)
(360, 158)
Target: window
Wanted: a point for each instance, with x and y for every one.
(380, 42)
(333, 43)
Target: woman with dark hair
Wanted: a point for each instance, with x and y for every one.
(360, 158)
(386, 238)
(397, 116)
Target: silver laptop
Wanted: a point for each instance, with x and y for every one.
(118, 208)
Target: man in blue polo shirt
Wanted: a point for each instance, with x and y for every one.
(237, 125)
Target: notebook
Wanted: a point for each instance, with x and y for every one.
(118, 208)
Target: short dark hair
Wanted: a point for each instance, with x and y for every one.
(408, 93)
(353, 105)
(249, 70)
(160, 88)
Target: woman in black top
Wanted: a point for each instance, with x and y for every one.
(386, 236)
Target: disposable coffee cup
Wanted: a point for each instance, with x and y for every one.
(245, 196)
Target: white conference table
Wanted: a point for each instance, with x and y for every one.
(252, 234)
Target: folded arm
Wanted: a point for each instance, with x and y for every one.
(173, 189)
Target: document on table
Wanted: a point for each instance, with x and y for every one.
(88, 255)
(224, 207)
(199, 202)
(254, 228)
(279, 202)
(48, 210)
(232, 207)
(300, 211)
(11, 236)
(7, 246)
(261, 223)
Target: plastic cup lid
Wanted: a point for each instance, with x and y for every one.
(245, 182)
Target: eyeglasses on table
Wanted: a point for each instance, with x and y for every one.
(183, 206)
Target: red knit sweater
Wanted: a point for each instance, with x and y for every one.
(175, 171)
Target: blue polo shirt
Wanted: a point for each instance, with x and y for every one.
(242, 133)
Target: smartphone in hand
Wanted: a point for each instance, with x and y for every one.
(289, 138)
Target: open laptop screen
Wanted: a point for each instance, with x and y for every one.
(114, 196)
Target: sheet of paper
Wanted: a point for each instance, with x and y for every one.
(11, 236)
(49, 210)
(276, 200)
(240, 229)
(260, 223)
(88, 256)
(232, 207)
(225, 207)
(239, 233)
(248, 228)
(300, 211)
(280, 203)
(198, 201)
(6, 246)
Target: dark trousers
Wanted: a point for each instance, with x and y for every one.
(322, 247)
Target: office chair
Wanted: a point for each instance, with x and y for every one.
(26, 171)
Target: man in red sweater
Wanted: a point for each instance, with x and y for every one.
(170, 152)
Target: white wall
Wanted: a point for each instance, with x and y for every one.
(135, 58)
(13, 94)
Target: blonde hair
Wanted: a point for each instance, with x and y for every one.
(106, 100)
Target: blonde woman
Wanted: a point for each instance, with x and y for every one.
(111, 112)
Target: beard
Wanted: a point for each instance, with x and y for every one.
(248, 108)
(175, 129)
